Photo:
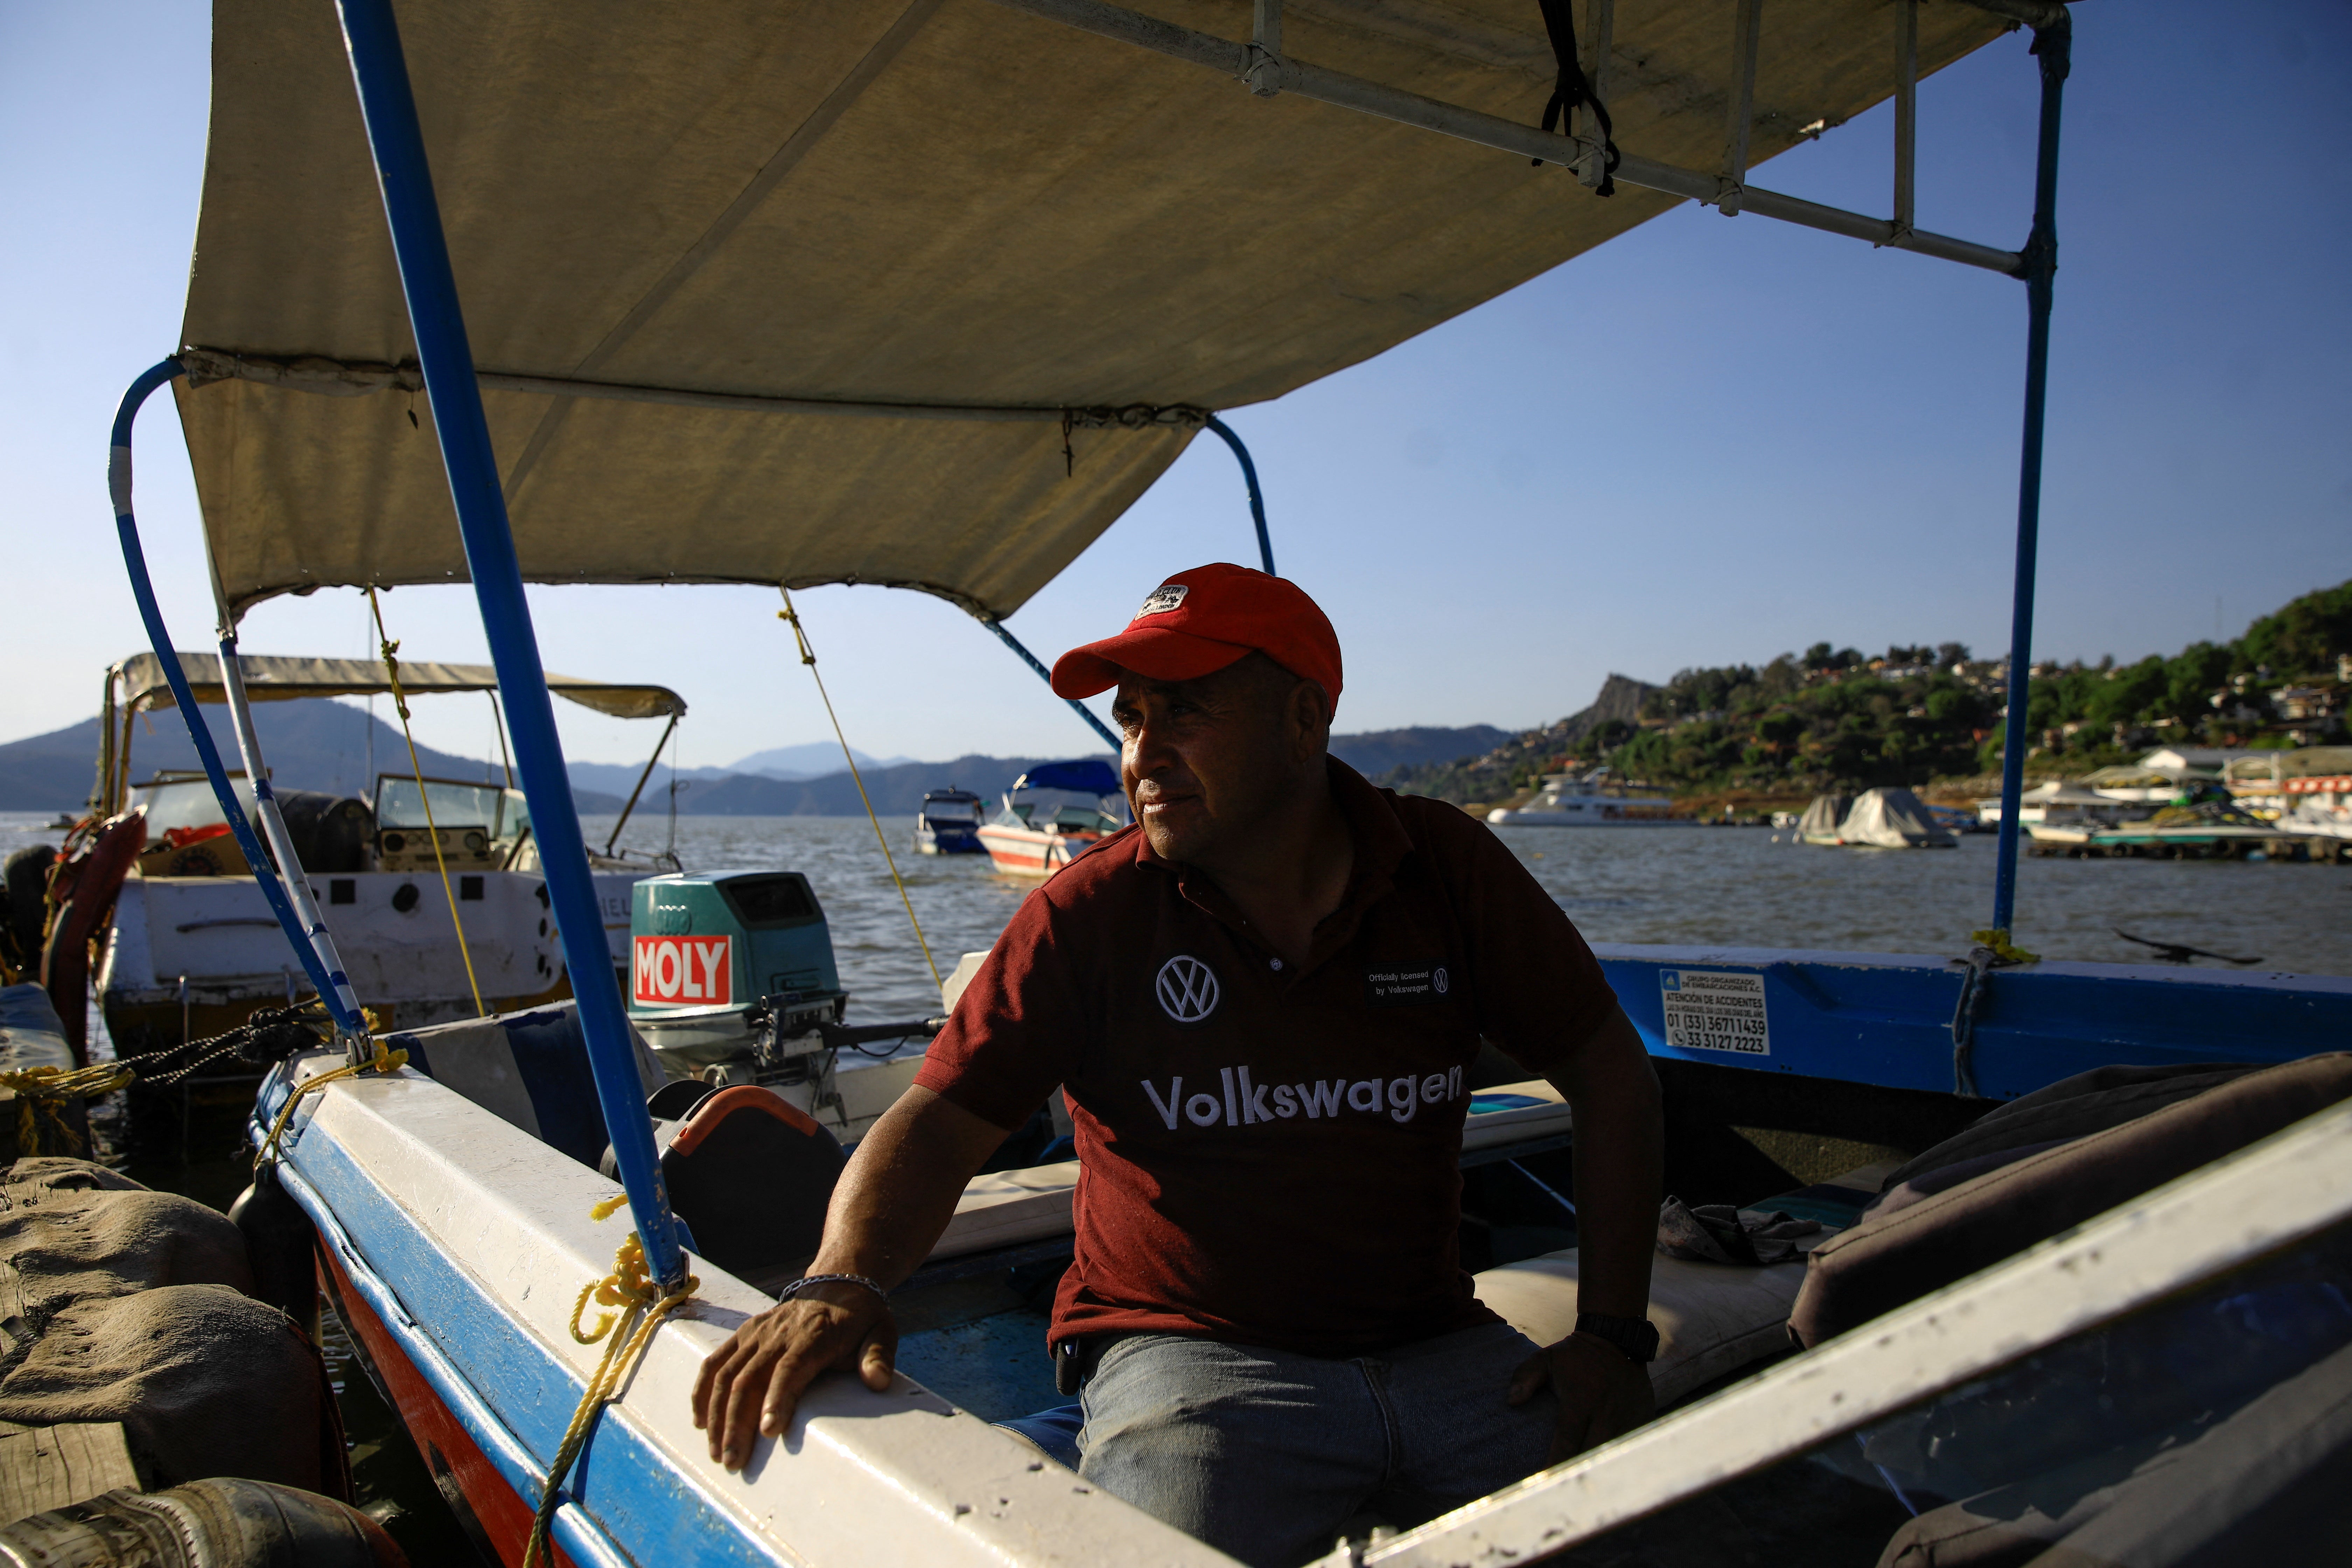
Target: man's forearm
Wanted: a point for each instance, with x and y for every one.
(900, 1187)
(1619, 1158)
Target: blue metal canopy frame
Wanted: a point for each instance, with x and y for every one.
(332, 988)
(1265, 561)
(1266, 71)
(388, 107)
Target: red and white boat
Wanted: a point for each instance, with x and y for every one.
(1029, 838)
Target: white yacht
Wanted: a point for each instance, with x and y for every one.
(1594, 800)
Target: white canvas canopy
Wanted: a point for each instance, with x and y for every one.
(916, 293)
(272, 678)
(1891, 819)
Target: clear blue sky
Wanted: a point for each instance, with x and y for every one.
(1709, 441)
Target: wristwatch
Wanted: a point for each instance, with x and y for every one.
(1636, 1338)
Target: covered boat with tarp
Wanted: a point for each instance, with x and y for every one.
(925, 294)
(1819, 825)
(1893, 818)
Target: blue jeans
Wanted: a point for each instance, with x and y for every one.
(1265, 1454)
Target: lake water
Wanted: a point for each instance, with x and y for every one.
(1742, 887)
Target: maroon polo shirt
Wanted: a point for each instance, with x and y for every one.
(1270, 1153)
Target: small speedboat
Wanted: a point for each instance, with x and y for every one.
(949, 823)
(1027, 840)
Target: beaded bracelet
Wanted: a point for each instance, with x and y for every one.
(797, 1286)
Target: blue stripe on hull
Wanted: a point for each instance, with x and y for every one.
(523, 1394)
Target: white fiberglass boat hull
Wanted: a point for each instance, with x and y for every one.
(211, 945)
(459, 1243)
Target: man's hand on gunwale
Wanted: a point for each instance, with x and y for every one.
(771, 1360)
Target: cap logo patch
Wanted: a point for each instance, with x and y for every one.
(1164, 598)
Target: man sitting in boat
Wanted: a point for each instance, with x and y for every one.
(1262, 999)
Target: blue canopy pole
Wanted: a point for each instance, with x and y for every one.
(380, 69)
(1080, 708)
(326, 978)
(2053, 44)
(1257, 501)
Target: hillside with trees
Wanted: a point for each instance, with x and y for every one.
(1833, 718)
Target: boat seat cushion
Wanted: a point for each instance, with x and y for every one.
(2072, 1108)
(1712, 1318)
(529, 1068)
(1904, 1249)
(752, 1175)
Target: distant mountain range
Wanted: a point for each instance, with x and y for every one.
(310, 743)
(324, 746)
(814, 760)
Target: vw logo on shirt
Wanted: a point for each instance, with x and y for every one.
(1188, 989)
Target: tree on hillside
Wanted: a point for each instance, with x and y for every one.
(2303, 638)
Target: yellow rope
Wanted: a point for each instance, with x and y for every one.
(639, 1306)
(808, 656)
(2003, 947)
(39, 1091)
(386, 1061)
(400, 703)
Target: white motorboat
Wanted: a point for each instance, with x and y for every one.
(1588, 800)
(2058, 802)
(193, 948)
(1032, 838)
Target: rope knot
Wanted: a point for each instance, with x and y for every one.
(639, 1305)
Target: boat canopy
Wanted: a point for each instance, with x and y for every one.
(1088, 775)
(272, 678)
(922, 293)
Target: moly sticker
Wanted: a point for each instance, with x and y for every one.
(1713, 1010)
(1389, 984)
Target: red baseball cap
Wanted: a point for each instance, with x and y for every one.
(1197, 622)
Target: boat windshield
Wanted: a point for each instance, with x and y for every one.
(500, 813)
(172, 800)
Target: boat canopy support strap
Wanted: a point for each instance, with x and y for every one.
(1336, 87)
(2052, 47)
(1080, 708)
(311, 945)
(1223, 432)
(388, 110)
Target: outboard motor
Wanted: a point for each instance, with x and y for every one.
(714, 957)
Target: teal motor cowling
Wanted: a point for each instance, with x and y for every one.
(706, 949)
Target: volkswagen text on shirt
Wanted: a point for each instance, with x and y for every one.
(1270, 1153)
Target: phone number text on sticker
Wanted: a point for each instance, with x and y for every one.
(1710, 1010)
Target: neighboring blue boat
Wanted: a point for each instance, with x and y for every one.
(947, 822)
(744, 323)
